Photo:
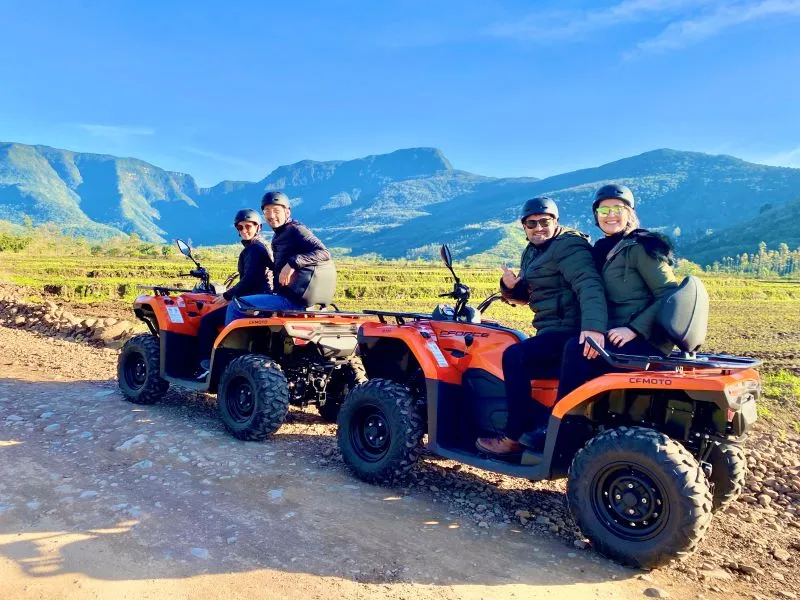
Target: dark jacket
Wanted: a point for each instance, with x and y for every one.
(314, 281)
(255, 270)
(561, 284)
(637, 273)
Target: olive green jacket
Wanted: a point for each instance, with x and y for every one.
(561, 284)
(637, 275)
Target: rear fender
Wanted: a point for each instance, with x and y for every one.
(679, 404)
(334, 340)
(277, 337)
(251, 336)
(725, 389)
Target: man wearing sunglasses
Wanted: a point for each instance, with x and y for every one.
(255, 277)
(559, 281)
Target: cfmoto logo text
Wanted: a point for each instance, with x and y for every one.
(650, 380)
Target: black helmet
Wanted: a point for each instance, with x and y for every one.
(275, 198)
(613, 191)
(541, 205)
(247, 214)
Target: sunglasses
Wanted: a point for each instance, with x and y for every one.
(241, 226)
(543, 223)
(605, 211)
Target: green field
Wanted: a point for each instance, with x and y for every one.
(748, 316)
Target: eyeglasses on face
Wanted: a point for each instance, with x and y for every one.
(543, 222)
(245, 225)
(605, 211)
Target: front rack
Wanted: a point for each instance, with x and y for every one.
(162, 290)
(400, 317)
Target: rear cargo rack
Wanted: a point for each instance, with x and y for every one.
(638, 362)
(250, 309)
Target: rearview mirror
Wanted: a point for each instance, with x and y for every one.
(184, 248)
(447, 258)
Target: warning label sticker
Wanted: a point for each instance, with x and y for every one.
(437, 354)
(174, 314)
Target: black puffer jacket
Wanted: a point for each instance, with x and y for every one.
(255, 270)
(314, 281)
(561, 285)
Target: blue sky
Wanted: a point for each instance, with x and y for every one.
(233, 90)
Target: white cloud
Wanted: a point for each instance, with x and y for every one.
(562, 25)
(115, 131)
(682, 33)
(683, 22)
(223, 158)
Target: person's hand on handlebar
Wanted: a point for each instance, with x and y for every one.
(218, 299)
(598, 338)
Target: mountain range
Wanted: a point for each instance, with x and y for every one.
(404, 203)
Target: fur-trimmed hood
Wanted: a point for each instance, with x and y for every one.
(657, 245)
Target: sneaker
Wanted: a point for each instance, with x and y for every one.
(499, 446)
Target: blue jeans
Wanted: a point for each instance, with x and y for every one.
(263, 302)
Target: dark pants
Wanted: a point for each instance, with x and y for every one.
(577, 369)
(209, 328)
(538, 357)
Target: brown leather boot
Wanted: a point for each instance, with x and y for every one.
(499, 446)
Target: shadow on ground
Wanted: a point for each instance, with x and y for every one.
(188, 499)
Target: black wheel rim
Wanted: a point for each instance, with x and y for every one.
(240, 400)
(630, 501)
(135, 371)
(369, 433)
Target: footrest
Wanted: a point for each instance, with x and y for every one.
(531, 459)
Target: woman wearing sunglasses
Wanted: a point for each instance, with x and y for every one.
(558, 280)
(255, 277)
(636, 267)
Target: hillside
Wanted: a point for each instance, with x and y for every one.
(399, 204)
(773, 225)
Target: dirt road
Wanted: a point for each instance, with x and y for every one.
(100, 498)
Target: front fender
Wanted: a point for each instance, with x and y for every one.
(392, 351)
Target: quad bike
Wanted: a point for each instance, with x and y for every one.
(259, 364)
(650, 452)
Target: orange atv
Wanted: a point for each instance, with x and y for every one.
(650, 452)
(259, 364)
